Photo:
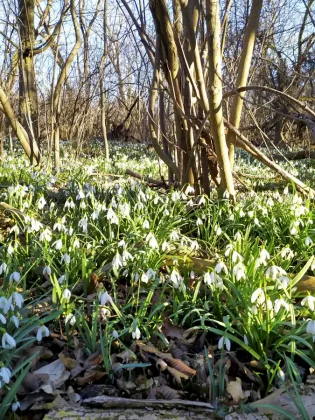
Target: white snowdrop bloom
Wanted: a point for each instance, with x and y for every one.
(10, 249)
(241, 213)
(250, 214)
(286, 191)
(269, 305)
(18, 299)
(310, 329)
(2, 319)
(221, 267)
(174, 236)
(226, 194)
(166, 212)
(254, 310)
(274, 271)
(228, 249)
(146, 224)
(5, 375)
(104, 298)
(144, 278)
(124, 210)
(237, 236)
(69, 204)
(264, 255)
(83, 223)
(76, 243)
(208, 279)
(245, 340)
(15, 321)
(189, 190)
(41, 203)
(15, 229)
(115, 334)
(62, 279)
(308, 241)
(236, 257)
(270, 202)
(47, 271)
(153, 244)
(66, 294)
(5, 304)
(36, 225)
(293, 230)
(309, 301)
(232, 217)
(95, 215)
(136, 334)
(65, 258)
(82, 205)
(194, 245)
(218, 230)
(15, 276)
(8, 341)
(45, 235)
(176, 278)
(202, 200)
(117, 261)
(281, 375)
(175, 196)
(71, 319)
(122, 243)
(150, 273)
(287, 253)
(199, 222)
(3, 268)
(126, 256)
(42, 331)
(15, 406)
(239, 271)
(279, 303)
(258, 296)
(80, 195)
(57, 244)
(282, 282)
(165, 246)
(224, 341)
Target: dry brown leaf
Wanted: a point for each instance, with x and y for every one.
(235, 389)
(178, 376)
(92, 376)
(32, 382)
(67, 361)
(152, 350)
(166, 393)
(127, 356)
(171, 331)
(180, 366)
(93, 360)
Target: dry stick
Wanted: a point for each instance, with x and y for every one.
(242, 142)
(143, 178)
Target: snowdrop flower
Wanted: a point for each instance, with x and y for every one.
(71, 319)
(286, 191)
(8, 341)
(202, 200)
(61, 279)
(144, 278)
(309, 301)
(15, 406)
(5, 375)
(228, 249)
(3, 268)
(57, 244)
(281, 375)
(65, 258)
(175, 196)
(76, 243)
(66, 294)
(220, 267)
(254, 310)
(104, 298)
(122, 243)
(115, 334)
(264, 255)
(45, 235)
(176, 278)
(152, 241)
(83, 223)
(146, 224)
(199, 222)
(41, 203)
(5, 304)
(308, 241)
(10, 249)
(18, 298)
(224, 341)
(239, 271)
(287, 253)
(126, 256)
(15, 321)
(226, 194)
(69, 204)
(194, 245)
(166, 212)
(47, 271)
(237, 236)
(293, 230)
(189, 190)
(281, 303)
(80, 195)
(274, 271)
(236, 257)
(217, 230)
(117, 261)
(282, 282)
(310, 329)
(165, 246)
(2, 319)
(15, 276)
(15, 229)
(245, 339)
(42, 331)
(258, 296)
(136, 334)
(174, 236)
(82, 205)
